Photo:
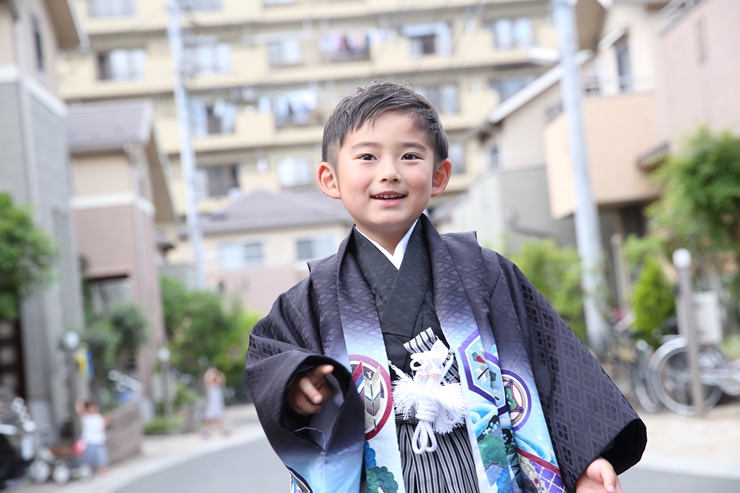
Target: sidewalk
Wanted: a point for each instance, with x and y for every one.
(707, 446)
(162, 452)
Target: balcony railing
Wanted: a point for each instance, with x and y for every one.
(677, 8)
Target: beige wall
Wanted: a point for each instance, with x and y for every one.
(102, 174)
(30, 10)
(520, 136)
(695, 92)
(618, 130)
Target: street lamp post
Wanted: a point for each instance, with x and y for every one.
(682, 261)
(70, 342)
(164, 357)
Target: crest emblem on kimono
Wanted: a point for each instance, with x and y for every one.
(374, 386)
(518, 398)
(481, 370)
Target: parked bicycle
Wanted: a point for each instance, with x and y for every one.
(672, 377)
(627, 363)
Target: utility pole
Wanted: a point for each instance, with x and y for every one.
(187, 157)
(588, 233)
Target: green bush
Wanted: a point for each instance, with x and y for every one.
(652, 301)
(163, 426)
(556, 273)
(26, 256)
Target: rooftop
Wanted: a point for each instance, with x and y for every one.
(262, 209)
(109, 125)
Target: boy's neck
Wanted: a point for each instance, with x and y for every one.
(389, 242)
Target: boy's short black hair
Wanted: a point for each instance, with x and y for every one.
(367, 103)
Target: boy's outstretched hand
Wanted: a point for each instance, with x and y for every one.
(309, 390)
(599, 477)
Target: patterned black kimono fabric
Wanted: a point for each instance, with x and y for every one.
(405, 302)
(585, 412)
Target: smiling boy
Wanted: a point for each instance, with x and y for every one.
(415, 362)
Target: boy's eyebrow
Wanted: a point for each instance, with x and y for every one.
(412, 144)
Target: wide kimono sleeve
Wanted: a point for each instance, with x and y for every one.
(585, 412)
(281, 345)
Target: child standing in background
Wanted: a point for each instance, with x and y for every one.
(93, 425)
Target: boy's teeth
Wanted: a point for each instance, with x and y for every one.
(389, 196)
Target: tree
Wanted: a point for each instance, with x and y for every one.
(556, 273)
(700, 210)
(203, 329)
(27, 256)
(652, 301)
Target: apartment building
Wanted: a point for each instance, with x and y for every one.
(34, 170)
(262, 77)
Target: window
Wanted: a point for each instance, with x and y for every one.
(443, 98)
(285, 52)
(493, 157)
(201, 4)
(38, 46)
(217, 181)
(345, 46)
(513, 33)
(121, 65)
(239, 255)
(427, 39)
(456, 154)
(211, 118)
(204, 55)
(294, 108)
(295, 172)
(111, 8)
(508, 87)
(313, 248)
(624, 69)
(105, 293)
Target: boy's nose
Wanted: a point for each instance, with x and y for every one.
(389, 171)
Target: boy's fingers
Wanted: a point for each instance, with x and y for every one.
(609, 478)
(303, 406)
(310, 391)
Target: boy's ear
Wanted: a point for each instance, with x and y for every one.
(327, 177)
(441, 177)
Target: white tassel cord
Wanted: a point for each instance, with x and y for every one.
(438, 407)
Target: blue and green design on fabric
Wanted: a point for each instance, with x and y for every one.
(379, 479)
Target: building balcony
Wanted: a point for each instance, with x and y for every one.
(619, 129)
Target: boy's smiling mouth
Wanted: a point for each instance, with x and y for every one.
(388, 196)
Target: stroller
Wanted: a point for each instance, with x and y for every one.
(17, 441)
(59, 461)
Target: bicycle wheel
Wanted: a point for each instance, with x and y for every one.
(672, 379)
(642, 380)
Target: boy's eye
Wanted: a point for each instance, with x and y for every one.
(366, 157)
(409, 156)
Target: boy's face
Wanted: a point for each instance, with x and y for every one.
(385, 176)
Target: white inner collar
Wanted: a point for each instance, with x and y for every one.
(397, 256)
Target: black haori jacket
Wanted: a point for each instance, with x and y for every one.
(586, 414)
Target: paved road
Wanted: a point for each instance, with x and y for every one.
(250, 468)
(254, 468)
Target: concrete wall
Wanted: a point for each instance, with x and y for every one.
(698, 89)
(43, 183)
(507, 207)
